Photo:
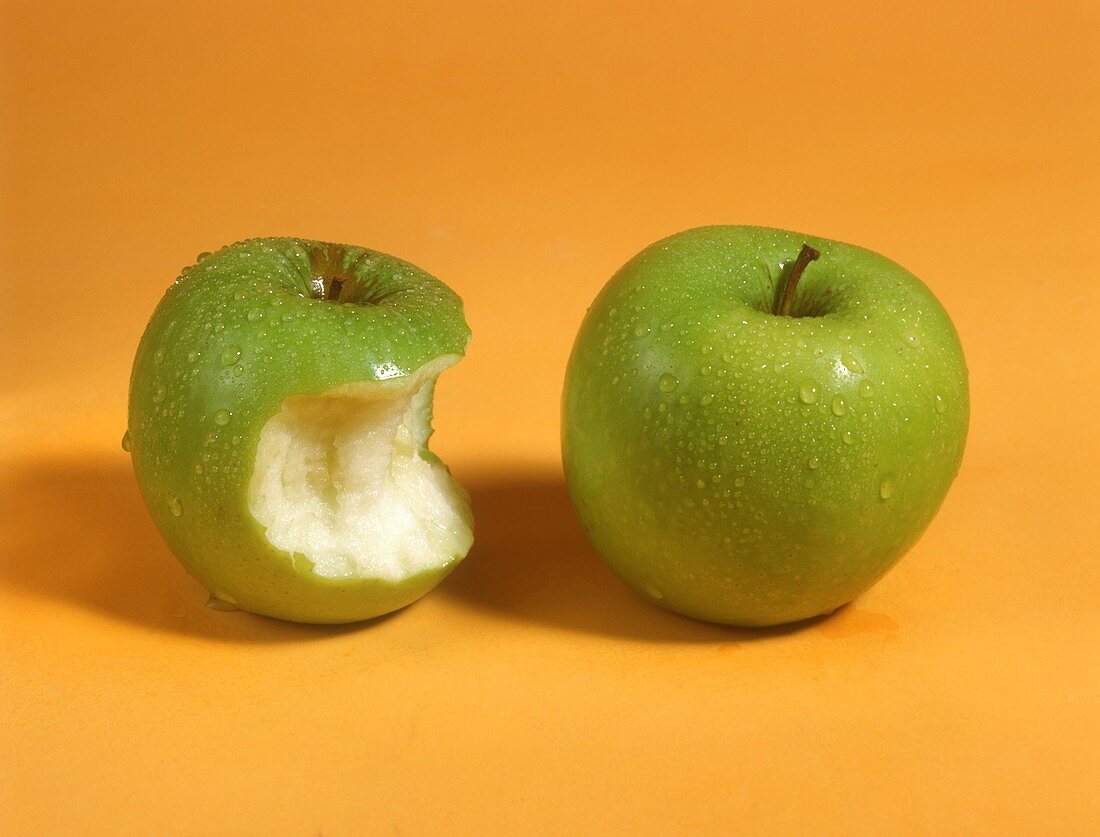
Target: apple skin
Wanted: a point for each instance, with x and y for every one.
(234, 336)
(751, 469)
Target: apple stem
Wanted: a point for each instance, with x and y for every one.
(324, 263)
(806, 255)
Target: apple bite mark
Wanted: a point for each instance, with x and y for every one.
(345, 480)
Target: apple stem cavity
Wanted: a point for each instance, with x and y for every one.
(334, 288)
(806, 255)
(327, 283)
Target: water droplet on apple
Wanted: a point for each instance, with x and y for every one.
(851, 363)
(126, 441)
(840, 406)
(813, 462)
(940, 404)
(158, 356)
(230, 355)
(667, 382)
(159, 393)
(699, 483)
(886, 490)
(654, 592)
(175, 507)
(706, 370)
(912, 339)
(847, 437)
(706, 399)
(221, 602)
(865, 389)
(807, 391)
(255, 315)
(202, 255)
(641, 331)
(222, 417)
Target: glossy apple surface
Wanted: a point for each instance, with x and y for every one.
(744, 467)
(280, 408)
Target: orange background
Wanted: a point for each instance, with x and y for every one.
(522, 152)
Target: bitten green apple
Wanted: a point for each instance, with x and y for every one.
(280, 409)
(757, 424)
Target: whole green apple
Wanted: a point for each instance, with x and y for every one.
(280, 409)
(757, 424)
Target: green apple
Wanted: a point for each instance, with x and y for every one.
(751, 436)
(280, 409)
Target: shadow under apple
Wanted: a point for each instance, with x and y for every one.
(531, 561)
(78, 531)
